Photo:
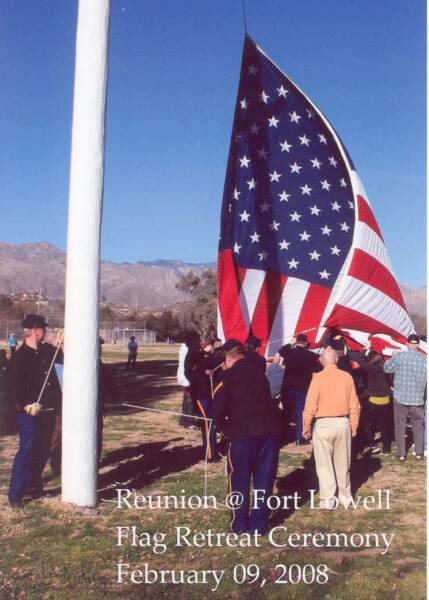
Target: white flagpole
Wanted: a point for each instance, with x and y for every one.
(81, 348)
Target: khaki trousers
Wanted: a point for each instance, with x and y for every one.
(332, 451)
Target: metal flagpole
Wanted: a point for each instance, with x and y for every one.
(81, 348)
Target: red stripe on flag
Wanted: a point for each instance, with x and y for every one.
(347, 318)
(266, 306)
(367, 216)
(229, 284)
(368, 269)
(312, 310)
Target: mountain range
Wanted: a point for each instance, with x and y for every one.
(31, 266)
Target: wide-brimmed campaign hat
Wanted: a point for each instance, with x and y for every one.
(34, 322)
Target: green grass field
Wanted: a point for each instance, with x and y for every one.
(53, 551)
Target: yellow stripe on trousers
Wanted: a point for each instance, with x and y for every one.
(230, 482)
(209, 452)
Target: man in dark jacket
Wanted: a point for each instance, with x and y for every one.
(300, 364)
(30, 371)
(252, 346)
(246, 413)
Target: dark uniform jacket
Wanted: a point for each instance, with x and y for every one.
(300, 364)
(26, 374)
(243, 407)
(257, 360)
(196, 364)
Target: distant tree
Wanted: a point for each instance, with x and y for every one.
(200, 312)
(166, 324)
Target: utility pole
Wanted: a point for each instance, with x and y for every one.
(81, 352)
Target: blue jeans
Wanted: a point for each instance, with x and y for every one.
(252, 459)
(21, 479)
(298, 399)
(204, 409)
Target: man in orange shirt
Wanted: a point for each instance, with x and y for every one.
(333, 403)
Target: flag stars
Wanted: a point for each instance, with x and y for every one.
(295, 168)
(324, 274)
(255, 237)
(309, 113)
(235, 194)
(344, 226)
(294, 117)
(237, 248)
(343, 182)
(284, 245)
(252, 69)
(244, 104)
(282, 92)
(325, 185)
(262, 153)
(263, 255)
(305, 190)
(322, 139)
(314, 255)
(273, 122)
(305, 141)
(252, 184)
(284, 196)
(325, 230)
(244, 162)
(315, 163)
(274, 226)
(305, 237)
(295, 217)
(293, 264)
(333, 162)
(351, 204)
(274, 176)
(315, 210)
(244, 216)
(285, 146)
(263, 97)
(265, 206)
(254, 129)
(335, 250)
(336, 206)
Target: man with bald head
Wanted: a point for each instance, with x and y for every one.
(334, 406)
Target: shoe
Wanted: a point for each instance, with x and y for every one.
(375, 450)
(419, 456)
(302, 442)
(16, 504)
(385, 452)
(401, 458)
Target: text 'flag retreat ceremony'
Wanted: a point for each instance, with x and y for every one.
(300, 250)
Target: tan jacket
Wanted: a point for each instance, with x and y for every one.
(332, 393)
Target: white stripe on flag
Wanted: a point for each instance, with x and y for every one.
(249, 293)
(370, 301)
(220, 332)
(368, 241)
(287, 314)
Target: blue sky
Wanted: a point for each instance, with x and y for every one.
(174, 70)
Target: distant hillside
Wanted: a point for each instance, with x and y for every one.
(28, 267)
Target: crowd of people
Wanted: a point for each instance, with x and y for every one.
(332, 395)
(329, 396)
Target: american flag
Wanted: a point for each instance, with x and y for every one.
(300, 249)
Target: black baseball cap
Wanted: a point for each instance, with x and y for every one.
(253, 341)
(301, 337)
(34, 322)
(230, 344)
(413, 339)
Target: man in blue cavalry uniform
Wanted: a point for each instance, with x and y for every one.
(27, 372)
(198, 367)
(244, 410)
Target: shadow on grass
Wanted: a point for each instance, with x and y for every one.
(142, 465)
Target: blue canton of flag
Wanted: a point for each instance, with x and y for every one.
(288, 203)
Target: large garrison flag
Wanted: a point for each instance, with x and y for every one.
(300, 249)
